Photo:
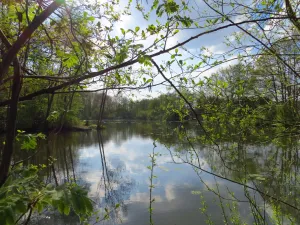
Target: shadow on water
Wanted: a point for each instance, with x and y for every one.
(174, 183)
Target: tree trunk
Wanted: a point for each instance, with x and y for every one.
(10, 56)
(101, 110)
(67, 107)
(275, 88)
(11, 124)
(50, 100)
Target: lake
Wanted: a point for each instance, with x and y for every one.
(144, 173)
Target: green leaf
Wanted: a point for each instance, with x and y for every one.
(149, 80)
(106, 217)
(70, 61)
(121, 56)
(175, 31)
(88, 205)
(145, 60)
(3, 193)
(185, 21)
(67, 210)
(49, 187)
(91, 18)
(159, 10)
(75, 203)
(61, 206)
(200, 83)
(10, 216)
(21, 207)
(52, 22)
(152, 29)
(257, 177)
(215, 21)
(118, 77)
(40, 207)
(108, 56)
(155, 4)
(29, 143)
(171, 6)
(123, 31)
(137, 29)
(56, 195)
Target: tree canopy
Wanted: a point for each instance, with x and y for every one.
(53, 52)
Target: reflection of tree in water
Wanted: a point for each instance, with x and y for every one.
(115, 185)
(119, 132)
(64, 149)
(58, 154)
(276, 163)
(52, 217)
(269, 172)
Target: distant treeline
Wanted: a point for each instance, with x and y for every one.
(237, 93)
(120, 107)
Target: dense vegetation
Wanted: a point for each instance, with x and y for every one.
(54, 53)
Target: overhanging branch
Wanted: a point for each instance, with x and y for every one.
(130, 62)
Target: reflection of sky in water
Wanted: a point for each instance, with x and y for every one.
(174, 201)
(127, 147)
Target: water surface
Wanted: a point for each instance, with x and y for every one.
(115, 167)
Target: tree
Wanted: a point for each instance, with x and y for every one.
(11, 57)
(55, 47)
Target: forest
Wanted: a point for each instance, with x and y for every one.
(214, 84)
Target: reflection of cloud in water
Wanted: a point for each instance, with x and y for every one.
(127, 159)
(169, 191)
(93, 178)
(136, 168)
(144, 197)
(88, 152)
(173, 187)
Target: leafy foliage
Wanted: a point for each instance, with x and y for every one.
(24, 191)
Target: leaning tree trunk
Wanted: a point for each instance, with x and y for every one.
(11, 124)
